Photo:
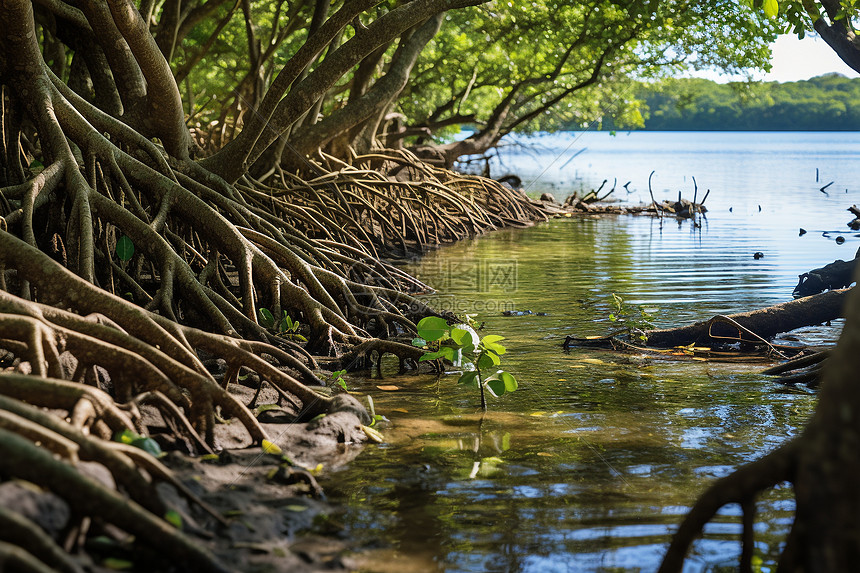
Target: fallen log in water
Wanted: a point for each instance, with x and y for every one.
(753, 327)
(838, 274)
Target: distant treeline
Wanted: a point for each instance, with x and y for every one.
(826, 103)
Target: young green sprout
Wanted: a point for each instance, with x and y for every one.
(459, 344)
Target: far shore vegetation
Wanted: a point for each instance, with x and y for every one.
(823, 103)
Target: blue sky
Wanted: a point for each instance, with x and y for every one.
(795, 59)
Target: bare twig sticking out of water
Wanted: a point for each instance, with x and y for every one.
(695, 192)
(825, 187)
(654, 202)
(614, 183)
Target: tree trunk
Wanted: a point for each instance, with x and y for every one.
(372, 105)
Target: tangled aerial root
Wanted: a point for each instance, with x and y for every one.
(133, 285)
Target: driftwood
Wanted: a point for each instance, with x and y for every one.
(838, 274)
(749, 327)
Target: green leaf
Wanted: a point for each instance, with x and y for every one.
(510, 382)
(130, 438)
(459, 336)
(469, 379)
(125, 437)
(488, 359)
(444, 352)
(342, 384)
(266, 318)
(36, 164)
(771, 8)
(449, 353)
(430, 356)
(173, 518)
(432, 328)
(491, 338)
(419, 342)
(149, 446)
(265, 408)
(497, 348)
(124, 248)
(496, 386)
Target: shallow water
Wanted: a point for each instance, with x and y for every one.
(592, 463)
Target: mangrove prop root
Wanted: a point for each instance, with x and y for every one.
(18, 530)
(103, 333)
(24, 460)
(740, 487)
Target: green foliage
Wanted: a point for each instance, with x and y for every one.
(124, 249)
(338, 379)
(824, 103)
(633, 318)
(771, 8)
(536, 51)
(285, 326)
(173, 518)
(148, 445)
(460, 344)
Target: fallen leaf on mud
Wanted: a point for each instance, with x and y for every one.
(562, 379)
(388, 388)
(577, 366)
(270, 448)
(700, 359)
(546, 454)
(373, 435)
(296, 508)
(593, 337)
(592, 360)
(401, 410)
(537, 413)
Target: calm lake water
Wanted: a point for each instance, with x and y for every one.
(592, 463)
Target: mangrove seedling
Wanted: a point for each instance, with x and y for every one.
(338, 379)
(461, 344)
(632, 318)
(285, 326)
